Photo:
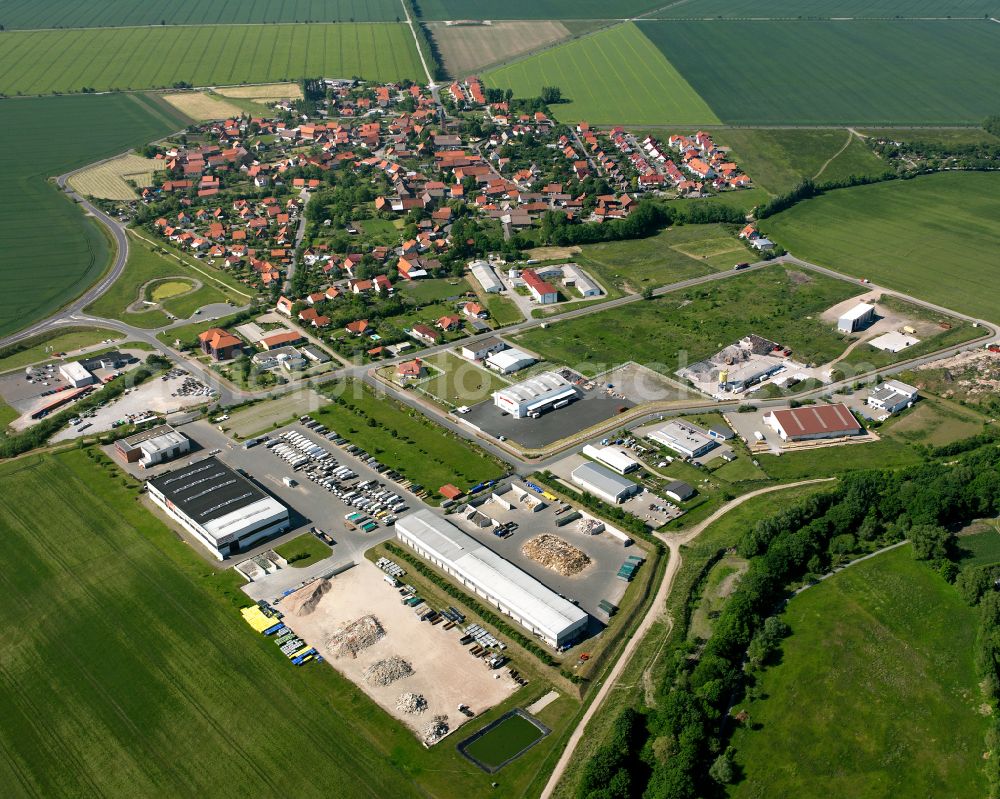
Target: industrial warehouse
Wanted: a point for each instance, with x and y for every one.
(536, 395)
(813, 422)
(543, 612)
(150, 447)
(220, 507)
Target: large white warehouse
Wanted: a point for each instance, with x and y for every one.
(514, 592)
(220, 507)
(603, 483)
(536, 395)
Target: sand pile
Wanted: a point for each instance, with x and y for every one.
(556, 554)
(411, 703)
(387, 671)
(355, 636)
(304, 601)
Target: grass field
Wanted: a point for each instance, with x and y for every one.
(830, 8)
(127, 665)
(503, 311)
(935, 237)
(202, 105)
(876, 694)
(533, 9)
(980, 548)
(459, 382)
(673, 254)
(107, 181)
(143, 266)
(434, 290)
(120, 13)
(888, 453)
(169, 288)
(946, 136)
(263, 92)
(615, 76)
(39, 348)
(404, 440)
(305, 550)
(686, 326)
(65, 251)
(935, 423)
(778, 160)
(816, 73)
(144, 58)
(509, 738)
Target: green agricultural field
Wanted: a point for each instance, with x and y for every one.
(403, 439)
(779, 160)
(821, 73)
(795, 9)
(51, 253)
(615, 76)
(533, 9)
(935, 237)
(876, 693)
(674, 254)
(127, 669)
(686, 326)
(21, 14)
(154, 57)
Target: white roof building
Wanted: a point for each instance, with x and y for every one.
(534, 396)
(514, 592)
(856, 318)
(76, 374)
(892, 396)
(486, 277)
(509, 360)
(603, 483)
(616, 459)
(573, 275)
(683, 438)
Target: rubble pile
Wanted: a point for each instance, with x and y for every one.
(436, 730)
(411, 703)
(556, 554)
(356, 636)
(387, 671)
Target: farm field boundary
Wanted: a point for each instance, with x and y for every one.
(43, 62)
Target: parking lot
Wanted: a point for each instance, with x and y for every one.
(596, 582)
(593, 408)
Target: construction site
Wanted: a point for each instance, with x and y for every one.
(740, 367)
(414, 669)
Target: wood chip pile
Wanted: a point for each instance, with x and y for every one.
(387, 671)
(556, 554)
(354, 637)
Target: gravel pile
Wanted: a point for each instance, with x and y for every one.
(556, 554)
(352, 638)
(387, 671)
(436, 730)
(411, 703)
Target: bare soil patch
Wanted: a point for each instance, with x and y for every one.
(466, 49)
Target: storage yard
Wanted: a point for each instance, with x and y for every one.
(414, 670)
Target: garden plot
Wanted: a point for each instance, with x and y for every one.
(413, 670)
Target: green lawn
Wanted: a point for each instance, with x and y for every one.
(433, 290)
(303, 551)
(739, 471)
(980, 548)
(615, 76)
(43, 62)
(128, 670)
(820, 72)
(935, 237)
(51, 252)
(121, 13)
(405, 440)
(671, 255)
(459, 382)
(876, 694)
(804, 464)
(510, 737)
(502, 310)
(686, 326)
(778, 160)
(40, 348)
(189, 332)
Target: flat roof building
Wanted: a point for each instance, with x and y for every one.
(509, 360)
(512, 591)
(856, 318)
(486, 277)
(536, 395)
(813, 421)
(153, 446)
(603, 483)
(683, 438)
(478, 350)
(221, 508)
(76, 374)
(613, 458)
(893, 396)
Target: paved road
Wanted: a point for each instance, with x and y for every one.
(674, 544)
